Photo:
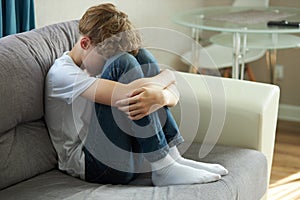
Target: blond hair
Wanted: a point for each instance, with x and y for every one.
(109, 29)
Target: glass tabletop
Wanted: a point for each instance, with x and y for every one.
(239, 19)
(260, 41)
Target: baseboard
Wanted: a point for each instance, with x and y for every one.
(289, 112)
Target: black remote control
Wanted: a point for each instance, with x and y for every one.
(283, 23)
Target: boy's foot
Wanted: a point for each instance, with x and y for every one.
(178, 174)
(214, 168)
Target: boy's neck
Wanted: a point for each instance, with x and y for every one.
(74, 54)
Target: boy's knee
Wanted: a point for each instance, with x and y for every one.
(148, 63)
(128, 59)
(122, 68)
(144, 54)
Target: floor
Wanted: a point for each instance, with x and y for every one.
(285, 174)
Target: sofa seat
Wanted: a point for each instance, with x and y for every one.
(245, 166)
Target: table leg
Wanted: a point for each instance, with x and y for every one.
(242, 56)
(196, 35)
(195, 51)
(271, 58)
(239, 51)
(236, 54)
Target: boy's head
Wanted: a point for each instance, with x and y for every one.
(109, 30)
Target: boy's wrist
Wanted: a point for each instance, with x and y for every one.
(167, 97)
(170, 97)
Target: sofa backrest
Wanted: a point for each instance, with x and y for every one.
(25, 58)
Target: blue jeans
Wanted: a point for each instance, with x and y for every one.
(116, 157)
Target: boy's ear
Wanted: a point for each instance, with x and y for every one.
(85, 42)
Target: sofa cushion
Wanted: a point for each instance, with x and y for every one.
(24, 62)
(25, 151)
(247, 179)
(25, 58)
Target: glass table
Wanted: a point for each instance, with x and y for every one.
(245, 27)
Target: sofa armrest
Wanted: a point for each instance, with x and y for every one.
(228, 112)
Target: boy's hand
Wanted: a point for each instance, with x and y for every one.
(142, 102)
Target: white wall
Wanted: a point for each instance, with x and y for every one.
(141, 12)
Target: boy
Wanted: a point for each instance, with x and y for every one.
(103, 126)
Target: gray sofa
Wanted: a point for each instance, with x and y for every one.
(28, 165)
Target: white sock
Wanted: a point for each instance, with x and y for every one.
(169, 172)
(214, 168)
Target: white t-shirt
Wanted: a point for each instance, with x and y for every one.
(68, 114)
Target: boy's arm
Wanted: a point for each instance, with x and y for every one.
(146, 100)
(155, 91)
